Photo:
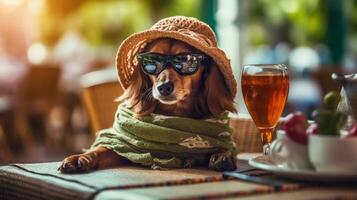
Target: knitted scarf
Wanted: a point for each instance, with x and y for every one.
(161, 141)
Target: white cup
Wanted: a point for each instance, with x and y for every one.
(286, 153)
(333, 154)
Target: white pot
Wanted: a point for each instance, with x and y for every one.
(286, 153)
(332, 153)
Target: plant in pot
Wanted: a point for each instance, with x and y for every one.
(323, 144)
(330, 147)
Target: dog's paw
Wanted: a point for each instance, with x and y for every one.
(223, 161)
(79, 163)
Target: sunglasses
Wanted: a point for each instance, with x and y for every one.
(184, 64)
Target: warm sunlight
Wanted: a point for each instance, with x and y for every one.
(178, 99)
(11, 2)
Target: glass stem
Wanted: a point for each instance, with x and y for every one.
(266, 135)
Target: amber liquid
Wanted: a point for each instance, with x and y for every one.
(265, 97)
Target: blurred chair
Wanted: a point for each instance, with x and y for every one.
(6, 123)
(245, 134)
(35, 97)
(6, 155)
(322, 76)
(99, 91)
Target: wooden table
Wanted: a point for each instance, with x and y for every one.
(42, 181)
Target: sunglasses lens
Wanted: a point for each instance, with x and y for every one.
(186, 64)
(179, 66)
(151, 63)
(150, 68)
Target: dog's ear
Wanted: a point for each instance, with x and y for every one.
(138, 96)
(217, 95)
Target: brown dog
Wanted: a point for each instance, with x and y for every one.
(200, 95)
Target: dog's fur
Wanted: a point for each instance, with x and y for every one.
(200, 95)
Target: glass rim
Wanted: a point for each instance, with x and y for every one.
(265, 65)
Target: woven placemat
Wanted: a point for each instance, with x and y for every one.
(42, 180)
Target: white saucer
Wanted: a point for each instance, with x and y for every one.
(264, 163)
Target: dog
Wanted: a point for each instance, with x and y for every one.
(199, 95)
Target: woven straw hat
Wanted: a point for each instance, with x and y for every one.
(186, 29)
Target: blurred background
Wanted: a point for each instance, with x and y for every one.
(54, 54)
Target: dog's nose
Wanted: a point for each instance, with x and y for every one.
(166, 89)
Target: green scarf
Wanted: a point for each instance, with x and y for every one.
(161, 141)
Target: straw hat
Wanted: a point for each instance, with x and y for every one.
(186, 29)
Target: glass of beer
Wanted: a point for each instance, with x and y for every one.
(265, 90)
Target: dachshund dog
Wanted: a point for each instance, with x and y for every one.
(201, 94)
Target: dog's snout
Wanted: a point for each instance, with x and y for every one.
(166, 89)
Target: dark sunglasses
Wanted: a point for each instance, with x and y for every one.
(184, 64)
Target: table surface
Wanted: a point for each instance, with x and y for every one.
(141, 183)
(234, 189)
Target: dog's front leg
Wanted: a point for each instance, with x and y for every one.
(223, 161)
(100, 157)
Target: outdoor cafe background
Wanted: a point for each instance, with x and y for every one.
(313, 37)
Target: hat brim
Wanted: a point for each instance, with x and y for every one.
(131, 46)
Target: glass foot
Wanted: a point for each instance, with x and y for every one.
(266, 149)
